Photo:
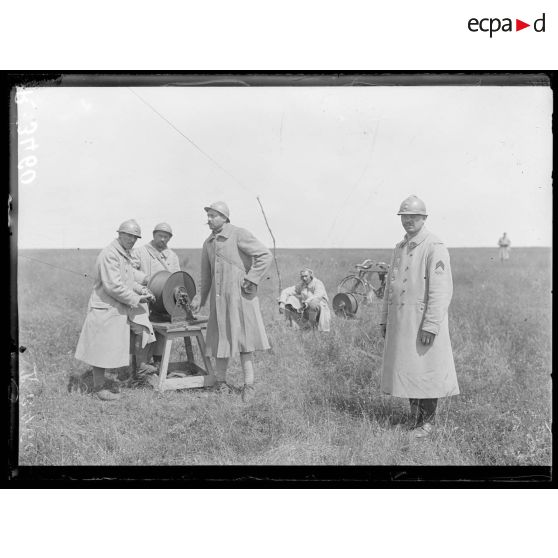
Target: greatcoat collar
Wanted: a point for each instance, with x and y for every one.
(157, 253)
(121, 250)
(225, 232)
(415, 240)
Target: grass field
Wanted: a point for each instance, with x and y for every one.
(318, 399)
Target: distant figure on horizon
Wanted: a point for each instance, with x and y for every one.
(306, 303)
(504, 243)
(418, 359)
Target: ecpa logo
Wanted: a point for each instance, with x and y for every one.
(494, 24)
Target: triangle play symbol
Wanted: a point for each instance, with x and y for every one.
(519, 25)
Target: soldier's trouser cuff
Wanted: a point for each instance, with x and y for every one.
(428, 410)
(423, 410)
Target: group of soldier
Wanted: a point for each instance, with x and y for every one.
(418, 361)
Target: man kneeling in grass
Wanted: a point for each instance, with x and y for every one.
(418, 359)
(306, 303)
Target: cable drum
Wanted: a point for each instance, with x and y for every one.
(173, 294)
(345, 304)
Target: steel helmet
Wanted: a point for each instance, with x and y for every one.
(220, 207)
(412, 205)
(163, 227)
(131, 227)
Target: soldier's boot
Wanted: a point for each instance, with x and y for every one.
(143, 369)
(141, 356)
(220, 386)
(423, 431)
(427, 418)
(157, 359)
(125, 373)
(428, 410)
(104, 389)
(414, 414)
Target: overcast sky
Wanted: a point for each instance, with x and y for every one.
(330, 164)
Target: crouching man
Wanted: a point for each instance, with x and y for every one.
(117, 315)
(418, 360)
(306, 303)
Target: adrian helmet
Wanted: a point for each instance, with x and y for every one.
(220, 207)
(412, 205)
(163, 227)
(131, 227)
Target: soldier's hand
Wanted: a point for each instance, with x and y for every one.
(426, 338)
(281, 308)
(383, 328)
(195, 304)
(147, 298)
(248, 287)
(145, 292)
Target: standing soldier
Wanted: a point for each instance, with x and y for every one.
(156, 255)
(418, 359)
(153, 257)
(233, 263)
(504, 243)
(117, 309)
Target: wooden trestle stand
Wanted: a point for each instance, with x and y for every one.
(190, 374)
(172, 318)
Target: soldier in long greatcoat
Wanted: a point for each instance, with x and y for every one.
(233, 264)
(151, 258)
(117, 309)
(418, 360)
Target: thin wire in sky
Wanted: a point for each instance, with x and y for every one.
(328, 236)
(193, 143)
(55, 266)
(218, 165)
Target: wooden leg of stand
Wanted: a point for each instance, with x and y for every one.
(206, 359)
(189, 351)
(165, 364)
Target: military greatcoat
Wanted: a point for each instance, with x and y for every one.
(417, 296)
(235, 321)
(150, 260)
(105, 336)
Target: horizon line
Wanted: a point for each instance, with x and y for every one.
(290, 248)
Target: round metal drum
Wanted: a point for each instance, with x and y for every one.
(345, 304)
(166, 287)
